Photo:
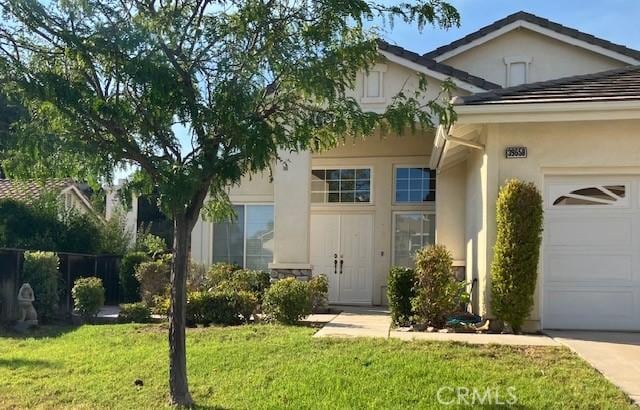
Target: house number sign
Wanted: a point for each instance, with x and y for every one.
(516, 152)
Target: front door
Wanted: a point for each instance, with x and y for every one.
(341, 248)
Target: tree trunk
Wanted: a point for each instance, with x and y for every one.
(178, 385)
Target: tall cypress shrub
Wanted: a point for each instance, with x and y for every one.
(516, 252)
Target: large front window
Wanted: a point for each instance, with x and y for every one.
(344, 185)
(246, 241)
(412, 231)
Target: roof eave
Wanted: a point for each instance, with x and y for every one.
(547, 112)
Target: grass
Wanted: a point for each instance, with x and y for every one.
(262, 366)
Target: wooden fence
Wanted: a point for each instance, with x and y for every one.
(72, 266)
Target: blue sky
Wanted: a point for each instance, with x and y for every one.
(613, 20)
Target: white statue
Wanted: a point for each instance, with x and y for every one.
(28, 314)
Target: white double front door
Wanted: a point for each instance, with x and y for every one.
(342, 249)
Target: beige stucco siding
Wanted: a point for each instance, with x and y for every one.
(554, 148)
(550, 58)
(381, 154)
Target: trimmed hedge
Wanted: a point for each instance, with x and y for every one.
(516, 252)
(134, 313)
(222, 307)
(400, 291)
(438, 293)
(88, 296)
(287, 301)
(129, 284)
(40, 270)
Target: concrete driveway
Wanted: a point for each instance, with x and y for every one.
(614, 354)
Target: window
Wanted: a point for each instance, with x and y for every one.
(373, 87)
(517, 70)
(593, 195)
(248, 240)
(344, 185)
(412, 231)
(413, 184)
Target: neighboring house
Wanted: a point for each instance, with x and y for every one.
(353, 212)
(68, 192)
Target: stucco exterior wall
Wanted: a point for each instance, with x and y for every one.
(554, 148)
(550, 58)
(381, 154)
(450, 213)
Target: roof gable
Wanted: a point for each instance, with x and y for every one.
(462, 79)
(542, 26)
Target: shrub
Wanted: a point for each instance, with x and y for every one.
(134, 313)
(88, 296)
(287, 301)
(153, 245)
(400, 292)
(516, 252)
(318, 289)
(153, 277)
(40, 270)
(81, 232)
(115, 237)
(218, 273)
(128, 282)
(196, 277)
(438, 293)
(247, 280)
(246, 304)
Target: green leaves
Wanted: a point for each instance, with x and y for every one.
(104, 83)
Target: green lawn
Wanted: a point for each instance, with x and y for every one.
(261, 366)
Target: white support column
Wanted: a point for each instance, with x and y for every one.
(292, 196)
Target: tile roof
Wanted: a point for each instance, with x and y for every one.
(621, 84)
(29, 190)
(542, 22)
(438, 67)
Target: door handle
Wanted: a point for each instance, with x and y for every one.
(341, 263)
(335, 264)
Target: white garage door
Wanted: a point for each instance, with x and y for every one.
(591, 253)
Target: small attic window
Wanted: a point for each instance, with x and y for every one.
(517, 70)
(373, 87)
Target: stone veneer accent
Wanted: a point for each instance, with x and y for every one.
(300, 274)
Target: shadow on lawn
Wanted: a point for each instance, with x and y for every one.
(39, 332)
(25, 363)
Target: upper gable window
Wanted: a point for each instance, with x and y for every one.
(373, 87)
(517, 70)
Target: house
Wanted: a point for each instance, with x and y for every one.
(535, 100)
(68, 192)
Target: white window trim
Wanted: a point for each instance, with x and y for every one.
(508, 61)
(338, 204)
(408, 203)
(393, 229)
(244, 228)
(380, 69)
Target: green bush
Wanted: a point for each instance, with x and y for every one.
(247, 280)
(218, 273)
(287, 301)
(82, 232)
(128, 282)
(400, 291)
(154, 277)
(438, 293)
(516, 252)
(134, 313)
(88, 296)
(318, 289)
(151, 244)
(115, 237)
(222, 307)
(40, 270)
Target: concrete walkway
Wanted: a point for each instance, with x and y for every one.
(614, 354)
(356, 321)
(376, 322)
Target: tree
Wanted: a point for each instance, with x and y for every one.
(112, 78)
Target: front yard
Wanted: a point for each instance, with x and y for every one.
(262, 366)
